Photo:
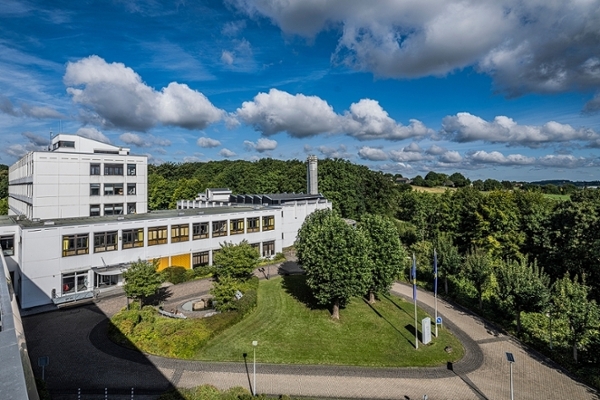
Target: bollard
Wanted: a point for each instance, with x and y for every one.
(131, 393)
(78, 393)
(105, 393)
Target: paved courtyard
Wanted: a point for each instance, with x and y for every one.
(81, 357)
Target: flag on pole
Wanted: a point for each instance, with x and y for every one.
(435, 272)
(413, 277)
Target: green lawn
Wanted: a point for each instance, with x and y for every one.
(562, 197)
(291, 329)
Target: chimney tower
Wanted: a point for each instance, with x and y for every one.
(312, 186)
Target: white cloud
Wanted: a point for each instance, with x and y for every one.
(465, 127)
(36, 140)
(92, 133)
(143, 140)
(450, 157)
(116, 95)
(367, 120)
(495, 157)
(207, 142)
(298, 115)
(331, 152)
(435, 150)
(261, 145)
(26, 110)
(372, 154)
(227, 153)
(524, 45)
(227, 57)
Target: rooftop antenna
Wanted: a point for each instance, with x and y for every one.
(50, 144)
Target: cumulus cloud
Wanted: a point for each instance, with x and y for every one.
(548, 161)
(143, 140)
(592, 106)
(207, 143)
(331, 152)
(34, 143)
(261, 145)
(524, 45)
(435, 150)
(465, 127)
(304, 116)
(367, 120)
(298, 115)
(119, 98)
(372, 154)
(450, 157)
(92, 133)
(26, 110)
(227, 153)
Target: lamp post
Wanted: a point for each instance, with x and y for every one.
(254, 344)
(549, 315)
(511, 360)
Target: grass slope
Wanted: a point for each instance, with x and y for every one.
(291, 328)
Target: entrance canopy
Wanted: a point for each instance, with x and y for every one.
(111, 269)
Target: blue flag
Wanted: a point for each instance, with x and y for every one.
(435, 272)
(413, 277)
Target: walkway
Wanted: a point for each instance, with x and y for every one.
(81, 356)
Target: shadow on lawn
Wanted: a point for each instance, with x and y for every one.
(388, 321)
(295, 286)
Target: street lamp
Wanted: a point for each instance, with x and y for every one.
(254, 344)
(511, 360)
(549, 315)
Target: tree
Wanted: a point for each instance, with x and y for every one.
(459, 180)
(385, 252)
(478, 269)
(237, 261)
(570, 301)
(522, 288)
(4, 206)
(449, 260)
(141, 280)
(224, 293)
(335, 258)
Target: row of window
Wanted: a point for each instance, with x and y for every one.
(112, 209)
(112, 169)
(108, 241)
(201, 258)
(112, 189)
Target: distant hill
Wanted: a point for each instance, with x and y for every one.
(560, 182)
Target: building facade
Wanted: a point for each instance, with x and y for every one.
(77, 177)
(59, 249)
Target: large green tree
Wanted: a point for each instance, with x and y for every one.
(385, 252)
(522, 288)
(236, 261)
(570, 300)
(335, 258)
(142, 280)
(478, 270)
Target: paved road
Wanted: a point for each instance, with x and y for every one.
(82, 357)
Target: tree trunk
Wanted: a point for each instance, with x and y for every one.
(575, 352)
(480, 301)
(446, 284)
(371, 297)
(336, 309)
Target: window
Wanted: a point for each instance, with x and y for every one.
(133, 238)
(180, 233)
(199, 259)
(131, 170)
(8, 245)
(236, 226)
(94, 189)
(66, 143)
(113, 169)
(131, 208)
(105, 241)
(200, 230)
(113, 189)
(253, 224)
(74, 282)
(74, 245)
(219, 228)
(94, 169)
(157, 235)
(131, 189)
(268, 223)
(94, 210)
(268, 249)
(113, 209)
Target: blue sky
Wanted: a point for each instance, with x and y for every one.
(504, 89)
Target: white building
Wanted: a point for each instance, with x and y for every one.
(77, 177)
(55, 258)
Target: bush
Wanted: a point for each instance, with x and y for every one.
(174, 275)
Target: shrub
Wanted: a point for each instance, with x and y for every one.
(174, 274)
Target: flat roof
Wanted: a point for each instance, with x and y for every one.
(159, 214)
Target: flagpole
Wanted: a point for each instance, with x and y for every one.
(435, 274)
(414, 279)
